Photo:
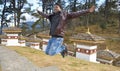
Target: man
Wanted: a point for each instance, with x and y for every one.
(58, 21)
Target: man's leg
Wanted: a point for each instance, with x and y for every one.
(64, 52)
(60, 49)
(55, 47)
(48, 46)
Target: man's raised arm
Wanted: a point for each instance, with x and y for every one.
(79, 13)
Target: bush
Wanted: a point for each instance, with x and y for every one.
(116, 62)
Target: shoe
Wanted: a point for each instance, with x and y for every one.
(64, 52)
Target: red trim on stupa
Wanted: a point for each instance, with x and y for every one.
(44, 42)
(4, 40)
(21, 42)
(12, 37)
(86, 51)
(35, 44)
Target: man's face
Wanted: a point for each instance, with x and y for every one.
(57, 8)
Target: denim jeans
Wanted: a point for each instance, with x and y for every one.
(55, 46)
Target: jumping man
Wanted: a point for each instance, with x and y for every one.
(58, 21)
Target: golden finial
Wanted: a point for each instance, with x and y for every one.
(35, 36)
(106, 49)
(88, 31)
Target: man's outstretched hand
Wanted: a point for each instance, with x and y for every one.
(92, 9)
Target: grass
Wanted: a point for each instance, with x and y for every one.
(65, 64)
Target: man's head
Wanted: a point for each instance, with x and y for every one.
(57, 7)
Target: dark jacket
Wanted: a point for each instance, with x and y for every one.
(58, 20)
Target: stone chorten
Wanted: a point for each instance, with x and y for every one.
(3, 39)
(22, 40)
(44, 36)
(86, 47)
(12, 35)
(33, 42)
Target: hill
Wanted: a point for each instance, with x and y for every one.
(65, 64)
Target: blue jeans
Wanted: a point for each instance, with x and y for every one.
(55, 46)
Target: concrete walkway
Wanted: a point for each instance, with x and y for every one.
(12, 61)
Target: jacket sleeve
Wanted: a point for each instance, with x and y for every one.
(43, 15)
(77, 14)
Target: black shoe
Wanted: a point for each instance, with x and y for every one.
(64, 52)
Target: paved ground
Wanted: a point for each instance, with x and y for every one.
(12, 61)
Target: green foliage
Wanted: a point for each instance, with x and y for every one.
(28, 9)
(24, 29)
(103, 26)
(116, 62)
(13, 7)
(38, 22)
(1, 2)
(23, 18)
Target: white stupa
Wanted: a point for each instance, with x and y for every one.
(86, 52)
(34, 42)
(44, 36)
(22, 40)
(86, 45)
(12, 35)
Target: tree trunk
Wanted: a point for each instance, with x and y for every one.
(74, 6)
(20, 6)
(15, 16)
(94, 1)
(18, 19)
(87, 16)
(59, 1)
(43, 9)
(106, 10)
(119, 24)
(3, 17)
(15, 20)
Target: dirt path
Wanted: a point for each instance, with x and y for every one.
(12, 61)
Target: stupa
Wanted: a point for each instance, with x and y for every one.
(12, 34)
(86, 45)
